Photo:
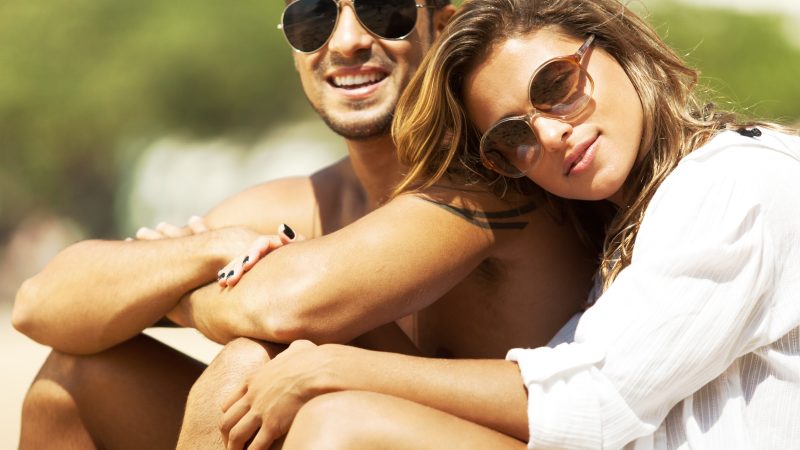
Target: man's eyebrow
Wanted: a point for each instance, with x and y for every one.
(490, 220)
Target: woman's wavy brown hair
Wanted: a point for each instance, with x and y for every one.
(435, 138)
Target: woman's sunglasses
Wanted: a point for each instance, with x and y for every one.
(309, 24)
(560, 88)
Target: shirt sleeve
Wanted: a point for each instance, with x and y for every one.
(694, 298)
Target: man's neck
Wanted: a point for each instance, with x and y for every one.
(376, 167)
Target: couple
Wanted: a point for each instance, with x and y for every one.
(694, 341)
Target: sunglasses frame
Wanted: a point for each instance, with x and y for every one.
(575, 59)
(339, 5)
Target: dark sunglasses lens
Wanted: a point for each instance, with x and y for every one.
(510, 148)
(307, 24)
(390, 19)
(561, 88)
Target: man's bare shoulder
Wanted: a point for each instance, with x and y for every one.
(480, 206)
(265, 206)
(293, 200)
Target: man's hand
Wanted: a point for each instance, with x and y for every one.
(264, 407)
(229, 275)
(163, 230)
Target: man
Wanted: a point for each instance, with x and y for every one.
(488, 262)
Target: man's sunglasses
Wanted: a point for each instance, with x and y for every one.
(560, 88)
(309, 24)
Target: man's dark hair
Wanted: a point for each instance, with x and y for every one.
(436, 5)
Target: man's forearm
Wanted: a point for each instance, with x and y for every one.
(96, 294)
(277, 301)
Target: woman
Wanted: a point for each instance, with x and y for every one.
(695, 340)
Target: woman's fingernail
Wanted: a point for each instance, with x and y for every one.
(288, 231)
(230, 274)
(221, 275)
(245, 260)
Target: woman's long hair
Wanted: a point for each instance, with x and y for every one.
(435, 137)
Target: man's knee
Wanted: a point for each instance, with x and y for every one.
(56, 382)
(51, 407)
(226, 372)
(244, 353)
(238, 358)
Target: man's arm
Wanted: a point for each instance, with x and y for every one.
(96, 294)
(392, 262)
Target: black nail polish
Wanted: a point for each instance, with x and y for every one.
(245, 260)
(288, 231)
(230, 274)
(221, 275)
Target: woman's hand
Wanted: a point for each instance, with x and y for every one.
(229, 275)
(263, 408)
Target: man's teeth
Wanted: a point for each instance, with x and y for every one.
(357, 80)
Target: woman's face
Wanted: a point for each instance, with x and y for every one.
(587, 157)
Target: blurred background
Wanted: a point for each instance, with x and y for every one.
(120, 114)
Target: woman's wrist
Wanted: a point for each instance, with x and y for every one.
(336, 370)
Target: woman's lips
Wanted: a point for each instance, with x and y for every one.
(582, 157)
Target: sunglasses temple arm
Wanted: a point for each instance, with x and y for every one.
(584, 47)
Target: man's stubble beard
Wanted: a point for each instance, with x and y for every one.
(380, 125)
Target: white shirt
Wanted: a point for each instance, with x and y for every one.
(696, 345)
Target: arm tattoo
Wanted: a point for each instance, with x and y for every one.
(496, 220)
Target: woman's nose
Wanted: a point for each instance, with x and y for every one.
(552, 133)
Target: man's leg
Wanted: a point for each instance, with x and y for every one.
(226, 372)
(130, 396)
(229, 369)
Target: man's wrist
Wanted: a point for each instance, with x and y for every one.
(215, 248)
(180, 315)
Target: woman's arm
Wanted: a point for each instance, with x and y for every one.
(706, 286)
(487, 392)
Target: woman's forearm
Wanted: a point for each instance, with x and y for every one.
(488, 392)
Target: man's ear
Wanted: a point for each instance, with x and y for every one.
(441, 17)
(294, 61)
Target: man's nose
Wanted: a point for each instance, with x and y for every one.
(349, 36)
(552, 133)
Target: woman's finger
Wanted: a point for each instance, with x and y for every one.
(243, 431)
(234, 397)
(264, 438)
(250, 260)
(235, 271)
(225, 273)
(233, 416)
(287, 234)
